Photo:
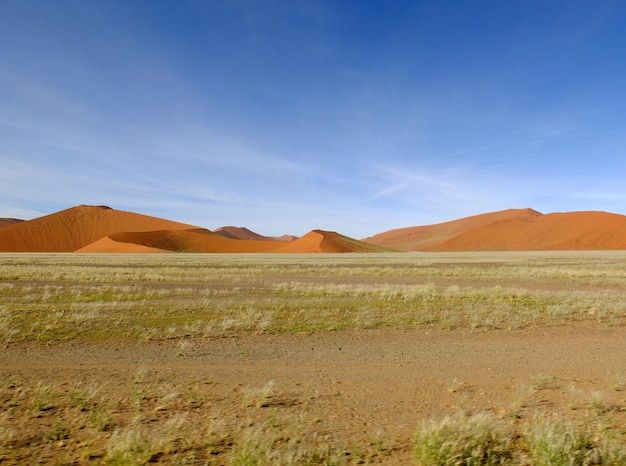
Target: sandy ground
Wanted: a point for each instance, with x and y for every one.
(358, 388)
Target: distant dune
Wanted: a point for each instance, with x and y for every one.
(513, 230)
(329, 241)
(243, 233)
(200, 240)
(107, 244)
(74, 228)
(105, 230)
(193, 240)
(102, 229)
(9, 221)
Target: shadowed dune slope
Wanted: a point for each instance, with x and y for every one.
(320, 241)
(514, 230)
(193, 240)
(74, 228)
(106, 244)
(9, 221)
(421, 238)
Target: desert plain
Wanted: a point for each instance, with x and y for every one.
(376, 358)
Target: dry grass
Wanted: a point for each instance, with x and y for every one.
(49, 298)
(483, 439)
(152, 421)
(52, 297)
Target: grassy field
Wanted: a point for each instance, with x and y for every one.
(56, 297)
(52, 299)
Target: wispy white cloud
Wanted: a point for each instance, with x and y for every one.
(445, 187)
(200, 144)
(11, 211)
(302, 118)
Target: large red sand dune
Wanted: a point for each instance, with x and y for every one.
(317, 241)
(106, 244)
(74, 228)
(513, 230)
(201, 240)
(102, 229)
(193, 240)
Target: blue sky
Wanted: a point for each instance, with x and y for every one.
(285, 116)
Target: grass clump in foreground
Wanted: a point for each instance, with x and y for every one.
(483, 440)
(474, 441)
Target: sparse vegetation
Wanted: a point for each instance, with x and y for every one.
(474, 441)
(49, 299)
(483, 439)
(53, 297)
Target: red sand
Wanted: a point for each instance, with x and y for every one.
(200, 240)
(422, 237)
(194, 240)
(557, 231)
(513, 230)
(102, 229)
(75, 228)
(106, 244)
(319, 241)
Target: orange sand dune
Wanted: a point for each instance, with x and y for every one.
(514, 230)
(319, 241)
(193, 240)
(74, 228)
(244, 233)
(102, 229)
(9, 221)
(556, 231)
(106, 244)
(422, 238)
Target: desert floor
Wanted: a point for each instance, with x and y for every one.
(361, 393)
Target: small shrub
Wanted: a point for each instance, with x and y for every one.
(458, 441)
(559, 443)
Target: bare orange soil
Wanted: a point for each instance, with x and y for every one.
(513, 230)
(362, 390)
